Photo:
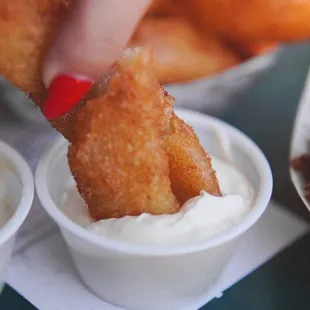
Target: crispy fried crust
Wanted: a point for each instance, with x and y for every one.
(118, 158)
(274, 20)
(190, 166)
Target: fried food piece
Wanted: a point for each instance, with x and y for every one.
(190, 166)
(274, 20)
(118, 157)
(132, 174)
(180, 52)
(26, 29)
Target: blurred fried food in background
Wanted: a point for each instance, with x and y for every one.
(274, 20)
(198, 38)
(180, 52)
(26, 28)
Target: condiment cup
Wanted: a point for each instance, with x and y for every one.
(155, 277)
(16, 197)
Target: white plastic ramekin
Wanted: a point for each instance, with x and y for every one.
(156, 277)
(17, 190)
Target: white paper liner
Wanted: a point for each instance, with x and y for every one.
(301, 138)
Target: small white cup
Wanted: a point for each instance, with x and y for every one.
(17, 190)
(156, 277)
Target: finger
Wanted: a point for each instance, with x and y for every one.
(90, 40)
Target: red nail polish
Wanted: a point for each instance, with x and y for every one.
(63, 94)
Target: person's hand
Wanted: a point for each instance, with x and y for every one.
(91, 39)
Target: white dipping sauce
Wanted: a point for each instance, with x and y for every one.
(199, 218)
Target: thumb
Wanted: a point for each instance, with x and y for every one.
(88, 43)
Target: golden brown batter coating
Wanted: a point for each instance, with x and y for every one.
(118, 157)
(190, 165)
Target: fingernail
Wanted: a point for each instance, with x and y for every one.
(63, 94)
